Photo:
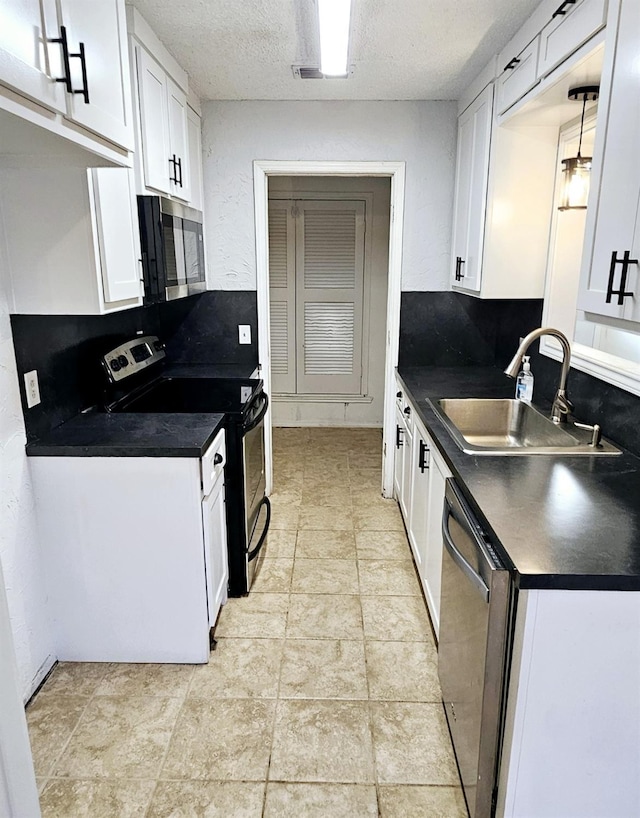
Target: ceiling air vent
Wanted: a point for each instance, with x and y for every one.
(311, 72)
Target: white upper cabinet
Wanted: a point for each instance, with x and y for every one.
(519, 75)
(555, 30)
(116, 229)
(571, 25)
(70, 57)
(168, 136)
(503, 197)
(99, 70)
(154, 122)
(24, 51)
(72, 240)
(178, 142)
(194, 131)
(610, 278)
(474, 140)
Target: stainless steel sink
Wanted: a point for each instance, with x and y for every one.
(511, 427)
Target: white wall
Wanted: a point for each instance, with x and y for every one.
(19, 548)
(422, 134)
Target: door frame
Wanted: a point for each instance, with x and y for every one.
(396, 171)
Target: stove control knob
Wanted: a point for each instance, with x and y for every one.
(122, 360)
(113, 363)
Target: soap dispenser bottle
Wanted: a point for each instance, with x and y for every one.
(524, 383)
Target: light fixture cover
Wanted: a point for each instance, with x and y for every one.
(576, 174)
(334, 18)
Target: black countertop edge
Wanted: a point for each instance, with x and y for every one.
(100, 434)
(490, 382)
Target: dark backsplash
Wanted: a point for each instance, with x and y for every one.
(66, 349)
(436, 329)
(452, 329)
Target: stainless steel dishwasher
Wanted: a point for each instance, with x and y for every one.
(474, 619)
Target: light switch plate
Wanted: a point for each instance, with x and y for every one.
(31, 388)
(244, 333)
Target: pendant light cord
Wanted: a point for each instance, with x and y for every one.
(584, 105)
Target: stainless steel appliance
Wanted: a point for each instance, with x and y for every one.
(472, 651)
(172, 249)
(244, 405)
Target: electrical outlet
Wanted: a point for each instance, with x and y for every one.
(31, 388)
(244, 333)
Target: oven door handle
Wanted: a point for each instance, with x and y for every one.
(255, 551)
(467, 569)
(262, 411)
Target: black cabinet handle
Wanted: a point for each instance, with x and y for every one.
(459, 274)
(173, 161)
(217, 458)
(398, 394)
(180, 169)
(423, 462)
(622, 292)
(511, 64)
(562, 8)
(407, 411)
(62, 41)
(398, 437)
(83, 64)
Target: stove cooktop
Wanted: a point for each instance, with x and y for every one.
(175, 395)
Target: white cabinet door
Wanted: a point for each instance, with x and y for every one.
(97, 39)
(117, 233)
(438, 472)
(405, 494)
(24, 57)
(612, 216)
(154, 122)
(569, 28)
(178, 141)
(520, 74)
(418, 515)
(194, 132)
(215, 543)
(398, 463)
(474, 142)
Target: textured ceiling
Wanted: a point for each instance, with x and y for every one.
(400, 49)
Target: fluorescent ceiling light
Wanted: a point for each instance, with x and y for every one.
(334, 17)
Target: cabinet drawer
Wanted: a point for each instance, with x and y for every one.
(212, 463)
(519, 75)
(569, 28)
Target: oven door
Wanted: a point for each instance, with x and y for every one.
(257, 507)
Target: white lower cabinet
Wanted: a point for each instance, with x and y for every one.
(419, 483)
(135, 558)
(73, 246)
(428, 475)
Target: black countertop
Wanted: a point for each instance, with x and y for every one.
(101, 434)
(563, 522)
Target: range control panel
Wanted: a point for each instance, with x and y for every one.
(132, 357)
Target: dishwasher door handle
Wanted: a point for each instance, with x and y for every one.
(468, 570)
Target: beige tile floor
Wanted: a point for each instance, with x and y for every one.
(320, 700)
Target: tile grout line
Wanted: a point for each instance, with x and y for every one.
(50, 776)
(166, 749)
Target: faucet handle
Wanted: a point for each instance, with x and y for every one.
(595, 429)
(562, 407)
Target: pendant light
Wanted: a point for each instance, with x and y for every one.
(577, 169)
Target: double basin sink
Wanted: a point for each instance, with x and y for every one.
(511, 427)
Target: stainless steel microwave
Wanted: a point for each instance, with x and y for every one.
(172, 249)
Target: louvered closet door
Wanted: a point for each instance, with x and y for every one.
(329, 295)
(282, 295)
